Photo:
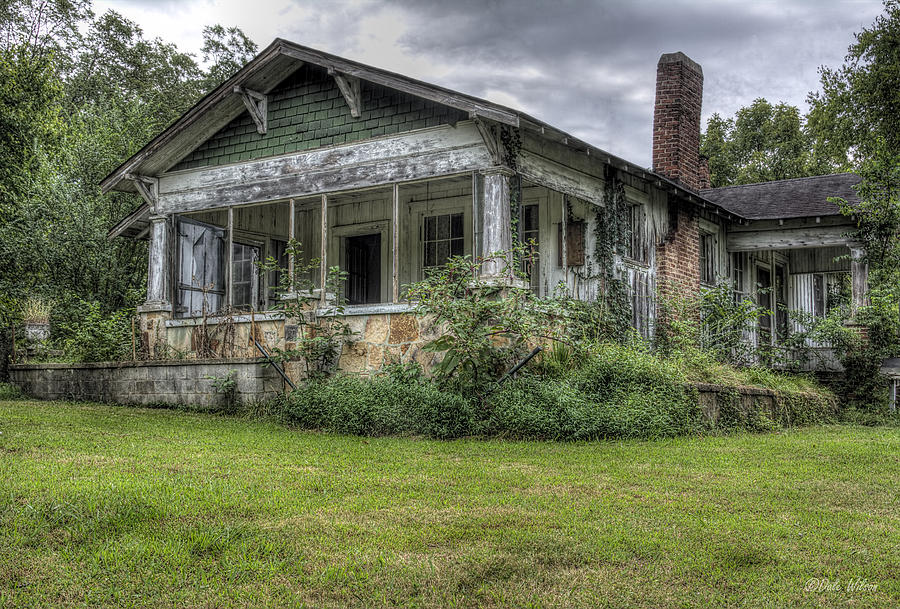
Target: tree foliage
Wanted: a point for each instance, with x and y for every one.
(79, 93)
(762, 142)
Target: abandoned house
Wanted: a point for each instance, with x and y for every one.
(385, 177)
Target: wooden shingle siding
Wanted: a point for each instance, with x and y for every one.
(307, 111)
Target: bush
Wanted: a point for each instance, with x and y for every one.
(89, 335)
(384, 405)
(8, 391)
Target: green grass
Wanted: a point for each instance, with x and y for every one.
(113, 506)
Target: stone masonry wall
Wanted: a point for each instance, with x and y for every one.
(308, 111)
(152, 382)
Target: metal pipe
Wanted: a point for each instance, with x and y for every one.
(274, 364)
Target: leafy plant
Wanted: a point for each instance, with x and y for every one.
(226, 386)
(486, 327)
(89, 335)
(320, 335)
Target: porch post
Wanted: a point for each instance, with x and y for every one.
(158, 267)
(323, 253)
(859, 277)
(158, 306)
(495, 222)
(395, 244)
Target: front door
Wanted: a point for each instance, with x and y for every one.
(363, 266)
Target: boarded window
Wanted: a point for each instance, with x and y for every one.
(574, 244)
(201, 269)
(444, 237)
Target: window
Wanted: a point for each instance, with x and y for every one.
(278, 251)
(638, 249)
(444, 238)
(200, 279)
(707, 258)
(244, 276)
(737, 275)
(531, 237)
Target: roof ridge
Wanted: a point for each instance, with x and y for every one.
(782, 181)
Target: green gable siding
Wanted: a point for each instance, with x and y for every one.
(307, 111)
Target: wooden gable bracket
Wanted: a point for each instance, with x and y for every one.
(147, 187)
(350, 89)
(256, 105)
(490, 138)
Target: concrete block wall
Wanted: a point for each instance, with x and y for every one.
(149, 383)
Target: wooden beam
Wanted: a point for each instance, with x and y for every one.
(793, 238)
(489, 136)
(395, 244)
(560, 178)
(430, 153)
(148, 188)
(256, 104)
(350, 89)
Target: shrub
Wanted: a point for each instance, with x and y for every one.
(88, 334)
(384, 405)
(8, 391)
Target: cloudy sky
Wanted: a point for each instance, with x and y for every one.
(585, 66)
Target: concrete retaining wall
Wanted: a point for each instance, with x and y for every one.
(151, 382)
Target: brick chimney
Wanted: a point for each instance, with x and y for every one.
(676, 120)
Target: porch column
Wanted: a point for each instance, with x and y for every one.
(158, 267)
(495, 221)
(859, 277)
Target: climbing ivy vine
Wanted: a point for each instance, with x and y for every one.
(612, 234)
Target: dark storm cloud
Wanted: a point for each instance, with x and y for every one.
(589, 67)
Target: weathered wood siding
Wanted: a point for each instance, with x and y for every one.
(428, 153)
(307, 111)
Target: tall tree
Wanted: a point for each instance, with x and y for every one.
(859, 104)
(226, 50)
(762, 142)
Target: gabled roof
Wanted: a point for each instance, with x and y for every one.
(782, 199)
(280, 59)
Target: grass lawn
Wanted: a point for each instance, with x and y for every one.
(113, 506)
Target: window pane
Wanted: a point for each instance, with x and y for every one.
(443, 227)
(530, 218)
(443, 251)
(456, 226)
(430, 254)
(456, 247)
(430, 228)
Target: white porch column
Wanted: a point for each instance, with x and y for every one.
(859, 277)
(158, 267)
(495, 222)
